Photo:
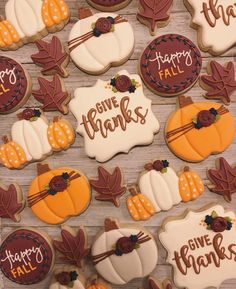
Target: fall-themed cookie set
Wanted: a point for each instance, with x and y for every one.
(113, 116)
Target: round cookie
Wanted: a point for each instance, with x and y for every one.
(26, 256)
(109, 5)
(170, 64)
(121, 253)
(15, 85)
(55, 195)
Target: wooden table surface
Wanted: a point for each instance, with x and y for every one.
(132, 163)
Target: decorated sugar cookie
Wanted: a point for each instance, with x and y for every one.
(121, 253)
(57, 194)
(170, 64)
(109, 186)
(220, 83)
(157, 284)
(203, 252)
(28, 20)
(215, 24)
(117, 117)
(73, 246)
(51, 63)
(159, 188)
(67, 277)
(26, 256)
(154, 13)
(223, 179)
(15, 85)
(99, 41)
(11, 201)
(196, 130)
(109, 5)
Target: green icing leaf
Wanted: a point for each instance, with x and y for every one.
(164, 170)
(214, 214)
(114, 89)
(194, 120)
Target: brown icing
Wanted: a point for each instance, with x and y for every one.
(73, 248)
(26, 257)
(123, 83)
(221, 84)
(9, 204)
(13, 84)
(107, 3)
(223, 179)
(52, 94)
(214, 11)
(51, 56)
(103, 25)
(154, 11)
(170, 64)
(219, 224)
(206, 118)
(109, 186)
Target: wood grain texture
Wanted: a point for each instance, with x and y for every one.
(132, 163)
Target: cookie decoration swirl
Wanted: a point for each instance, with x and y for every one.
(196, 130)
(26, 256)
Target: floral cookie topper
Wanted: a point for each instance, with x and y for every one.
(203, 249)
(213, 19)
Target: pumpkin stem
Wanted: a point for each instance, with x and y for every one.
(186, 169)
(110, 225)
(148, 166)
(185, 101)
(42, 168)
(56, 118)
(5, 139)
(92, 281)
(84, 13)
(134, 191)
(2, 18)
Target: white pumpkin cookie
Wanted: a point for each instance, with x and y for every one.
(67, 277)
(201, 247)
(99, 41)
(215, 22)
(117, 117)
(121, 253)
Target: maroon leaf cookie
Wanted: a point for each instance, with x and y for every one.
(11, 202)
(170, 65)
(154, 13)
(51, 57)
(220, 83)
(223, 179)
(15, 85)
(52, 94)
(109, 186)
(73, 246)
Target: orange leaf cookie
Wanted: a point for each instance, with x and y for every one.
(196, 130)
(55, 195)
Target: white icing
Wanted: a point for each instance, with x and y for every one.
(32, 137)
(76, 285)
(221, 37)
(189, 228)
(96, 53)
(121, 269)
(25, 16)
(119, 140)
(162, 189)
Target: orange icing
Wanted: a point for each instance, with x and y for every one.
(8, 34)
(54, 12)
(140, 208)
(71, 202)
(198, 144)
(12, 155)
(60, 134)
(190, 186)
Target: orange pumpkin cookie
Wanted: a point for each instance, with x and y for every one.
(55, 195)
(96, 282)
(9, 37)
(196, 130)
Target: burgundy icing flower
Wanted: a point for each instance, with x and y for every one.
(103, 25)
(123, 83)
(58, 184)
(158, 165)
(63, 278)
(125, 245)
(27, 113)
(219, 224)
(205, 118)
